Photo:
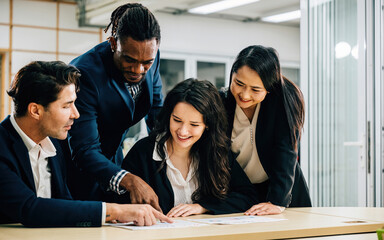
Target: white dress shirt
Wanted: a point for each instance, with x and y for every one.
(182, 188)
(244, 142)
(38, 156)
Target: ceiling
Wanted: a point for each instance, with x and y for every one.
(97, 12)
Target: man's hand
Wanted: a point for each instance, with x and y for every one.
(140, 214)
(140, 191)
(265, 208)
(184, 210)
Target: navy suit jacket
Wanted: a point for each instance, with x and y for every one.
(286, 184)
(139, 161)
(107, 111)
(18, 200)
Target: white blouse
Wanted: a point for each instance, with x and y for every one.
(244, 143)
(182, 188)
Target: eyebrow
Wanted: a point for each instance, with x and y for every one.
(181, 119)
(70, 101)
(134, 59)
(256, 87)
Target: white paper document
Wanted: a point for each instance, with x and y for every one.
(159, 225)
(237, 220)
(198, 222)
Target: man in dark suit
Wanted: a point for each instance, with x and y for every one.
(32, 165)
(119, 86)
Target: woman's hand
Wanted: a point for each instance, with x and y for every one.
(265, 208)
(183, 210)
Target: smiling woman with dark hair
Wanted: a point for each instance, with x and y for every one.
(185, 158)
(265, 112)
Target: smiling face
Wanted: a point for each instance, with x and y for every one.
(56, 119)
(134, 58)
(247, 88)
(186, 125)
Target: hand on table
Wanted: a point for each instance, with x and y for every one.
(184, 210)
(140, 214)
(140, 191)
(265, 208)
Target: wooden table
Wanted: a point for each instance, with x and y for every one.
(315, 223)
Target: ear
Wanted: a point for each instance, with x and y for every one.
(35, 110)
(112, 41)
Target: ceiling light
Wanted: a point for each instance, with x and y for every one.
(282, 17)
(219, 6)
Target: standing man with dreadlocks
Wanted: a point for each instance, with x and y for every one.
(120, 84)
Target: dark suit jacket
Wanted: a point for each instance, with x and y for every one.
(18, 200)
(107, 111)
(286, 184)
(139, 161)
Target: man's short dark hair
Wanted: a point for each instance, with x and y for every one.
(135, 21)
(41, 82)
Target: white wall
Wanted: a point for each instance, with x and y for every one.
(43, 30)
(202, 35)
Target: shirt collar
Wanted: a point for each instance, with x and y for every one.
(46, 144)
(156, 156)
(240, 115)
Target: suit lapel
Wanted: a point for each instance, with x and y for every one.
(56, 177)
(125, 95)
(21, 153)
(148, 88)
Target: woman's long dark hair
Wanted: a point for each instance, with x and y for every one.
(265, 61)
(211, 150)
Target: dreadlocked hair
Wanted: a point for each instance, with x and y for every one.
(134, 20)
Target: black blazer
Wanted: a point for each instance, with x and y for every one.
(286, 183)
(18, 200)
(139, 161)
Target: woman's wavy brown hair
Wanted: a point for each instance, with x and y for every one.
(210, 152)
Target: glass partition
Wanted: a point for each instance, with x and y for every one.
(336, 104)
(171, 72)
(292, 74)
(213, 72)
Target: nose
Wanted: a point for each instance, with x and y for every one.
(74, 113)
(245, 94)
(183, 130)
(138, 68)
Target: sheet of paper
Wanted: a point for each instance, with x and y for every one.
(237, 220)
(198, 222)
(159, 225)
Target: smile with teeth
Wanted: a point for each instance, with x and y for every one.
(183, 138)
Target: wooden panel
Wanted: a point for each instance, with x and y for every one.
(34, 13)
(73, 42)
(37, 39)
(4, 39)
(4, 11)
(20, 59)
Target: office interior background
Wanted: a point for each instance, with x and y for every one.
(332, 49)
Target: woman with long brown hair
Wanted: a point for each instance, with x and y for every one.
(185, 159)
